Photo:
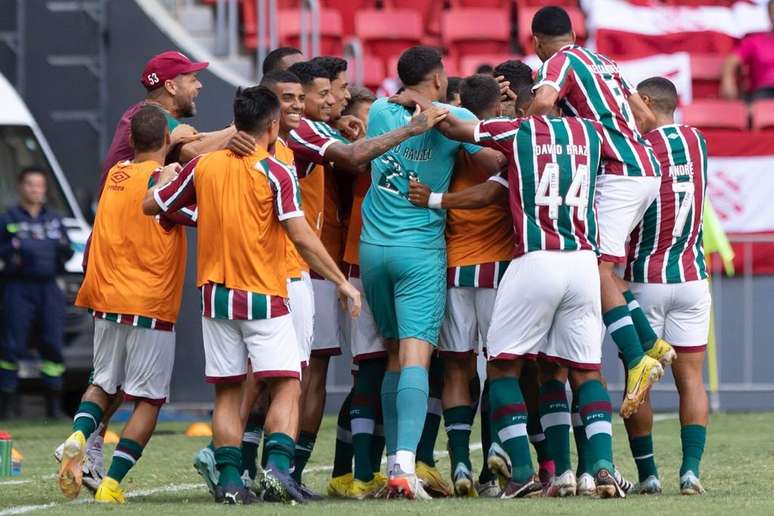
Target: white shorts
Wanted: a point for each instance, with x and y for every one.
(364, 340)
(270, 344)
(139, 360)
(328, 316)
(468, 315)
(301, 299)
(548, 306)
(621, 203)
(678, 312)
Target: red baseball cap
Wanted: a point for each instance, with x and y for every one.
(166, 66)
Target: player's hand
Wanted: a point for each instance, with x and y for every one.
(350, 298)
(351, 127)
(241, 144)
(410, 99)
(424, 120)
(419, 193)
(168, 173)
(506, 93)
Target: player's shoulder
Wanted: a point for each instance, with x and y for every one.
(458, 111)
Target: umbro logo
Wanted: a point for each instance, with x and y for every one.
(119, 177)
(673, 136)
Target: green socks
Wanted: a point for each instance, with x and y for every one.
(581, 443)
(693, 438)
(125, 456)
(621, 327)
(228, 459)
(390, 412)
(642, 451)
(411, 402)
(641, 324)
(426, 445)
(458, 422)
(342, 453)
(509, 419)
(279, 450)
(365, 405)
(87, 418)
(251, 440)
(596, 412)
(486, 434)
(303, 451)
(555, 420)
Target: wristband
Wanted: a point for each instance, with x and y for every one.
(435, 200)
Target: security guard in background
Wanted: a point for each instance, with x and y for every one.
(33, 249)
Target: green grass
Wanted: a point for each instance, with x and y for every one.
(737, 472)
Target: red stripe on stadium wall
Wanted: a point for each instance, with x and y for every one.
(630, 45)
(239, 304)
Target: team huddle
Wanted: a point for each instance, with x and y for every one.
(512, 215)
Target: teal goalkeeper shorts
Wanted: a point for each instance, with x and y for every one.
(406, 290)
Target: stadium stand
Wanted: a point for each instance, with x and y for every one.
(717, 114)
(705, 75)
(387, 33)
(762, 112)
(476, 31)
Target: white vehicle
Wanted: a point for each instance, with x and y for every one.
(22, 144)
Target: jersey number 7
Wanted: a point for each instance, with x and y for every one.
(547, 193)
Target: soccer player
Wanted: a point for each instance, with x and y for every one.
(403, 258)
(280, 59)
(319, 150)
(479, 245)
(548, 303)
(517, 74)
(668, 277)
(588, 84)
(242, 273)
(453, 91)
(133, 286)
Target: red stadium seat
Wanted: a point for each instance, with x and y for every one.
(543, 3)
(480, 4)
(717, 114)
(373, 71)
(524, 24)
(430, 10)
(705, 75)
(469, 63)
(289, 24)
(347, 9)
(476, 31)
(763, 114)
(387, 33)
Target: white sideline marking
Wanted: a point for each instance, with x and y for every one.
(23, 509)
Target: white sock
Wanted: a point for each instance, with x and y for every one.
(406, 460)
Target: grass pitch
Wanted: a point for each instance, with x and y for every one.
(737, 471)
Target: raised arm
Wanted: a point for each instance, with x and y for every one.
(643, 116)
(544, 100)
(361, 152)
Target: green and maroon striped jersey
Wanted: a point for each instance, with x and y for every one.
(552, 171)
(666, 246)
(591, 86)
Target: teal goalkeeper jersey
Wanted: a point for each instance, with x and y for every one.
(389, 219)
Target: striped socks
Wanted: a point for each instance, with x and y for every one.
(458, 421)
(509, 418)
(596, 412)
(364, 406)
(641, 324)
(125, 456)
(343, 451)
(642, 451)
(621, 327)
(87, 418)
(555, 420)
(303, 450)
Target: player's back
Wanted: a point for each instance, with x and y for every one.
(666, 247)
(591, 86)
(388, 217)
(552, 174)
(136, 266)
(241, 242)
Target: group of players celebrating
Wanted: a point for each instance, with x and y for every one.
(444, 231)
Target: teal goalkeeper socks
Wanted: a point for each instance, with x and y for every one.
(411, 401)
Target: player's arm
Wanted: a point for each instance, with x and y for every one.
(361, 152)
(729, 87)
(174, 190)
(205, 142)
(643, 116)
(494, 190)
(544, 101)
